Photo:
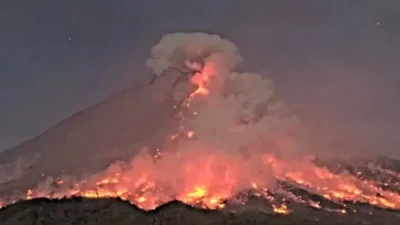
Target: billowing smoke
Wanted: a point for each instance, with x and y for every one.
(227, 124)
(239, 112)
(232, 118)
(180, 48)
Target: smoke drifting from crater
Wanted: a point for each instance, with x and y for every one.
(240, 110)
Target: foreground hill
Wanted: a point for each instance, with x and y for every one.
(79, 211)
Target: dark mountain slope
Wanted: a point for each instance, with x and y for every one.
(91, 139)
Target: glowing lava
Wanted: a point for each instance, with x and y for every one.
(201, 79)
(206, 173)
(202, 187)
(281, 209)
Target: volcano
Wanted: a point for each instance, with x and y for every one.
(197, 133)
(93, 138)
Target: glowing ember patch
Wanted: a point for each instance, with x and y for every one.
(99, 194)
(29, 194)
(173, 137)
(108, 181)
(141, 199)
(190, 134)
(281, 209)
(314, 204)
(199, 91)
(201, 79)
(158, 154)
(198, 192)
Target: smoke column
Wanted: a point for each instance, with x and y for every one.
(233, 119)
(239, 111)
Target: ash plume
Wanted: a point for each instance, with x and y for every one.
(240, 109)
(179, 48)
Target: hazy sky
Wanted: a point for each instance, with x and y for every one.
(336, 61)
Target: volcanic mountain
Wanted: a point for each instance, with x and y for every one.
(90, 140)
(201, 132)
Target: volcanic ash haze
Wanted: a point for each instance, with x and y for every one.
(230, 134)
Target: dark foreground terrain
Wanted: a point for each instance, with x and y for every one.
(117, 212)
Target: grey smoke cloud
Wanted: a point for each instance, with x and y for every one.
(241, 109)
(337, 110)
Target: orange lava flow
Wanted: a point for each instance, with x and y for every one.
(281, 209)
(201, 79)
(200, 187)
(208, 179)
(340, 187)
(207, 189)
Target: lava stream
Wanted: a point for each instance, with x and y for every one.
(216, 159)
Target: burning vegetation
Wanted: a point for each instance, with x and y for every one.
(236, 140)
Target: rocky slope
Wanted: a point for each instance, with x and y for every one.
(93, 138)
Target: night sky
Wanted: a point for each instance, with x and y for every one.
(336, 61)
